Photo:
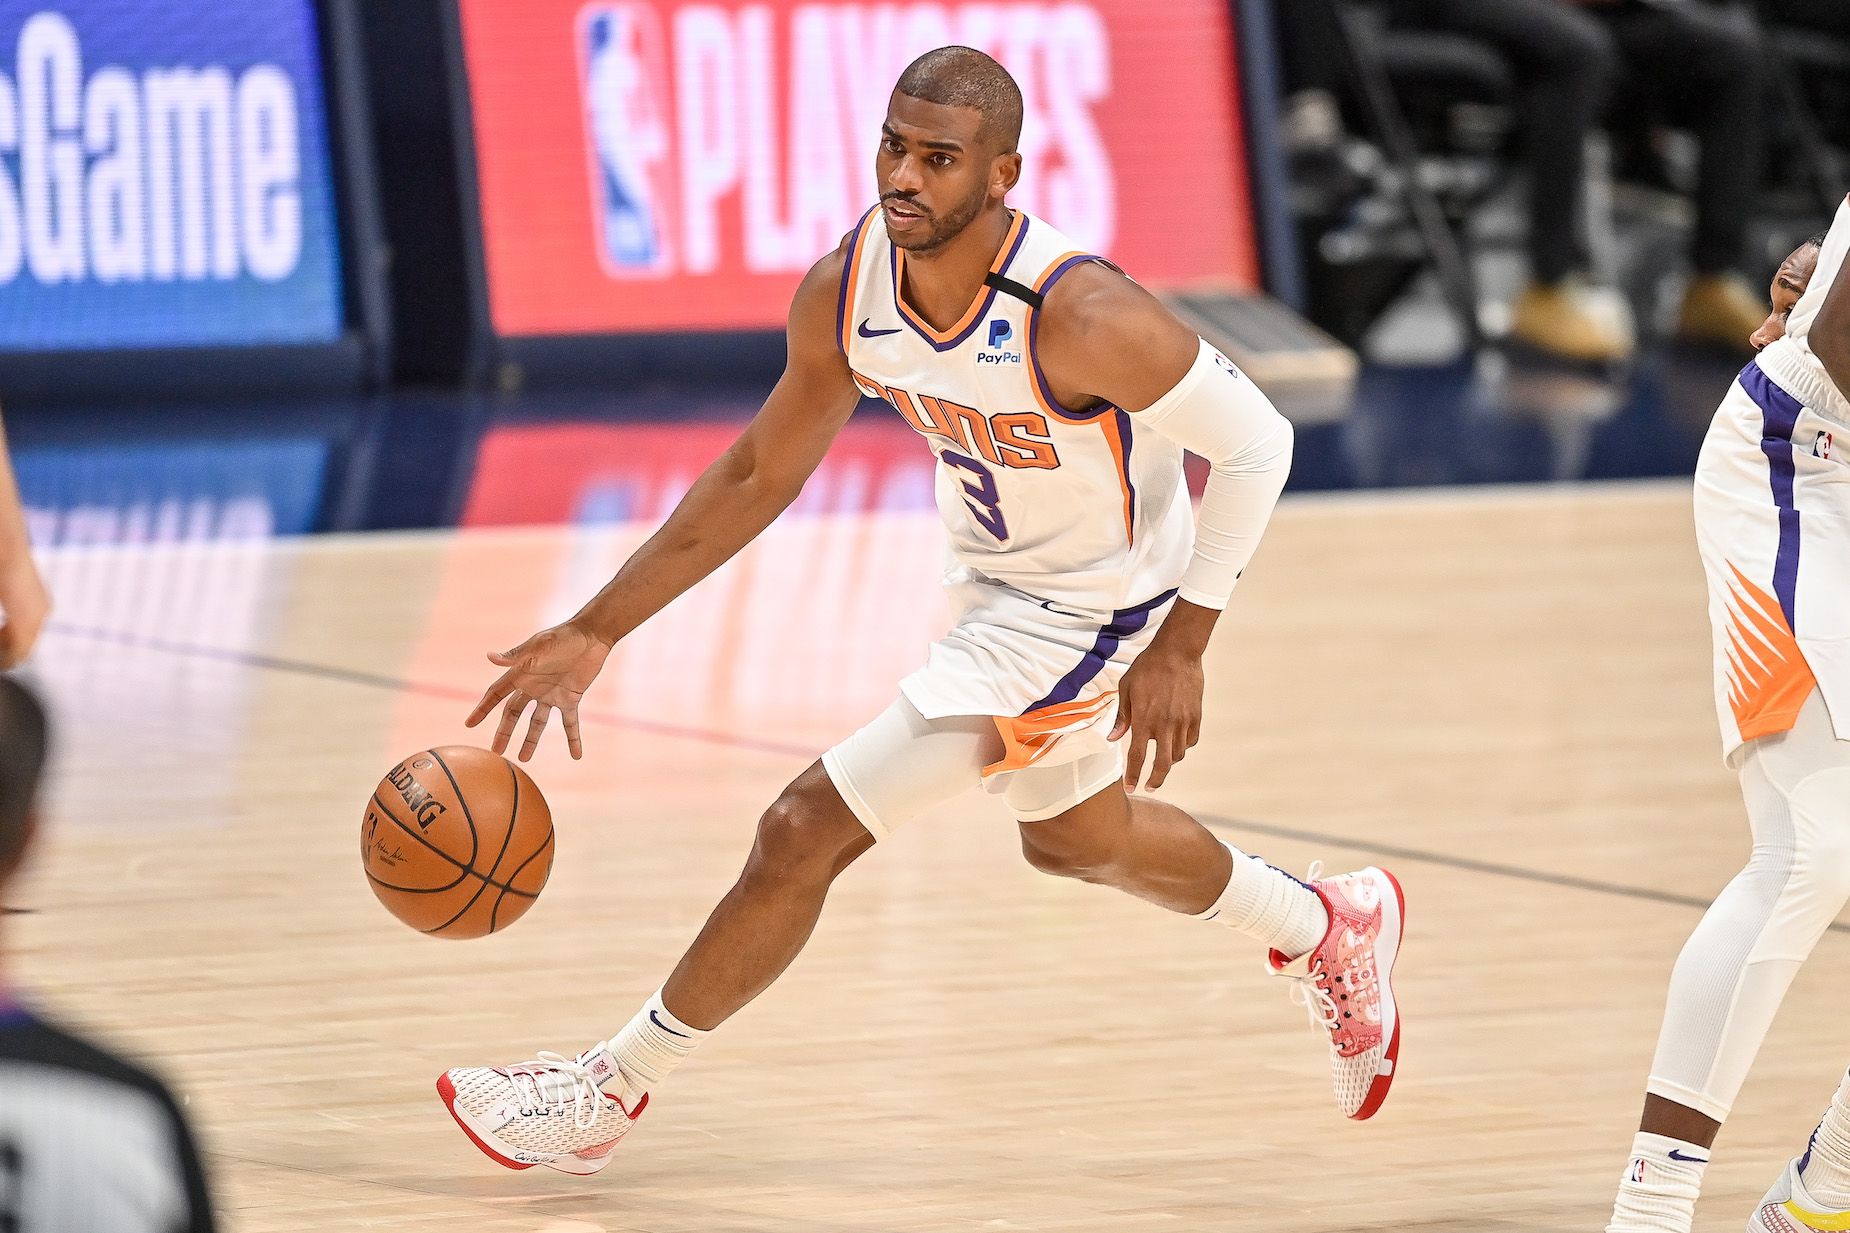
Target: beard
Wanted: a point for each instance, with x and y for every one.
(944, 227)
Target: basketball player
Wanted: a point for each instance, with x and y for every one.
(1773, 526)
(1058, 397)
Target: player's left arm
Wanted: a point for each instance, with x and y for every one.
(1102, 337)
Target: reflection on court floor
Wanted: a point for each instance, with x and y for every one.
(1503, 695)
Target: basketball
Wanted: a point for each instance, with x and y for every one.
(456, 842)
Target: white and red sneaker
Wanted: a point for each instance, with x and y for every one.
(547, 1112)
(1346, 982)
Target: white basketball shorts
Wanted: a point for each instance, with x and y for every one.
(1020, 697)
(1773, 525)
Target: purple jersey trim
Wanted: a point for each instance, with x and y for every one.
(1121, 421)
(842, 306)
(906, 315)
(1124, 623)
(12, 1014)
(1034, 335)
(1779, 415)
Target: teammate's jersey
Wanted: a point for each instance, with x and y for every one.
(1789, 360)
(1085, 508)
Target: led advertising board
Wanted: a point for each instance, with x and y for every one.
(650, 166)
(164, 176)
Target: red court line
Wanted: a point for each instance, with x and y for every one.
(375, 680)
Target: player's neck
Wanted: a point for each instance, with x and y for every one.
(942, 284)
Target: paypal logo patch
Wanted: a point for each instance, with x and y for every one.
(1000, 331)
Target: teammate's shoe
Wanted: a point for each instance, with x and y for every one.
(548, 1112)
(1788, 1209)
(1346, 982)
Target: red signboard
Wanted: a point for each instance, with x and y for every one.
(653, 166)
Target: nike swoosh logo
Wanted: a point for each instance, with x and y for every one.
(864, 332)
(1674, 1153)
(656, 1020)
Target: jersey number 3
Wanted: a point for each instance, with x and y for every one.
(981, 495)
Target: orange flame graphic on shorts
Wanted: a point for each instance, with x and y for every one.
(1768, 678)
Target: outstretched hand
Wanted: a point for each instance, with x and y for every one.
(551, 670)
(1159, 700)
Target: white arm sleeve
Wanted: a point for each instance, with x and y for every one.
(1216, 412)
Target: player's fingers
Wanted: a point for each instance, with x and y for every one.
(510, 716)
(1133, 759)
(491, 698)
(535, 726)
(1123, 723)
(1165, 758)
(568, 716)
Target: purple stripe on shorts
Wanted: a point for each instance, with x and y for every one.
(1779, 417)
(1124, 623)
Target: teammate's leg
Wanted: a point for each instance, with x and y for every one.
(1338, 937)
(1734, 970)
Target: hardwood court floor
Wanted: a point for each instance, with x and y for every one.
(1501, 694)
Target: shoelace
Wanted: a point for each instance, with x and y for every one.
(1307, 990)
(584, 1094)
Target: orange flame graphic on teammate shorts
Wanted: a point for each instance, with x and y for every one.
(1768, 678)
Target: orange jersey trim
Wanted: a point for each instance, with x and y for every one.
(1768, 678)
(977, 306)
(851, 278)
(1026, 739)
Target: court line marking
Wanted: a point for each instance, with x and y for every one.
(353, 676)
(1469, 864)
(374, 680)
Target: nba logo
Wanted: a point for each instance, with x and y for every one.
(623, 72)
(1821, 446)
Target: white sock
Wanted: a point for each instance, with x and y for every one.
(649, 1046)
(1658, 1191)
(1825, 1167)
(1270, 906)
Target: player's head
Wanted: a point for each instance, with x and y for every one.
(1789, 284)
(22, 757)
(947, 149)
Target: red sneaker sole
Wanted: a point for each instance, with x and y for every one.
(447, 1092)
(1378, 1090)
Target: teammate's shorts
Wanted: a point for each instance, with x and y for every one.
(1020, 697)
(1773, 527)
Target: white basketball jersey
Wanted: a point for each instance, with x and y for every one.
(1085, 508)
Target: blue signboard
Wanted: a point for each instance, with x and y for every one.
(164, 176)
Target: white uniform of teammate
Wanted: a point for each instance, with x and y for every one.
(1070, 533)
(1772, 503)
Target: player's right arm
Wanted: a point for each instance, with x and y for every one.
(736, 498)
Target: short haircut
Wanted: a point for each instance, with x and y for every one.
(965, 77)
(1816, 241)
(22, 758)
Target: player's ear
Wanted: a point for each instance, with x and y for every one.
(1004, 173)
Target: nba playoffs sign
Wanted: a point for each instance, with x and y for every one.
(164, 176)
(647, 165)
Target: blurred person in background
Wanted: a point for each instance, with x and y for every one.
(1700, 65)
(1637, 63)
(88, 1143)
(1564, 64)
(24, 603)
